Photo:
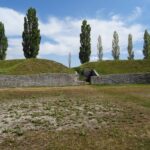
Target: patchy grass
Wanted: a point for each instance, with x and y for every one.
(32, 66)
(85, 117)
(117, 67)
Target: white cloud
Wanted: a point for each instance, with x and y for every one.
(13, 21)
(48, 48)
(137, 12)
(106, 28)
(65, 32)
(95, 58)
(15, 48)
(68, 38)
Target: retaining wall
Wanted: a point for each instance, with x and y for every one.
(139, 78)
(52, 79)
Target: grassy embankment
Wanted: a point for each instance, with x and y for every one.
(117, 67)
(32, 66)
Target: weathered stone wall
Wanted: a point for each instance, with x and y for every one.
(139, 78)
(52, 79)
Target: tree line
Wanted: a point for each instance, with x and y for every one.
(31, 39)
(30, 36)
(85, 41)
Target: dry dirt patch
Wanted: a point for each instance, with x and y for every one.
(104, 113)
(54, 113)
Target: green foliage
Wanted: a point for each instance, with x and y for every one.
(130, 48)
(3, 42)
(100, 48)
(85, 40)
(146, 47)
(32, 66)
(31, 34)
(115, 46)
(115, 67)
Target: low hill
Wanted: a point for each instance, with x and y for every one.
(117, 67)
(32, 66)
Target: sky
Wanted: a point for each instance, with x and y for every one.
(60, 26)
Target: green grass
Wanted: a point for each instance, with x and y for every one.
(32, 66)
(117, 67)
(88, 117)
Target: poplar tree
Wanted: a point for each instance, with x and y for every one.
(85, 40)
(100, 48)
(31, 34)
(115, 46)
(130, 48)
(3, 42)
(146, 47)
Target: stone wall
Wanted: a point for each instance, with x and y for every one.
(52, 79)
(139, 78)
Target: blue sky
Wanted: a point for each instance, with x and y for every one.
(60, 21)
